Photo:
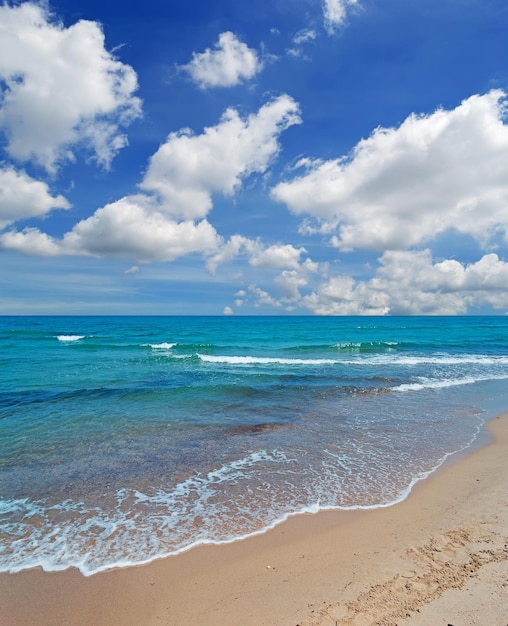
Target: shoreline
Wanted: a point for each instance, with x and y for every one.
(312, 568)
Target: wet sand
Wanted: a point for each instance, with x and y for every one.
(439, 557)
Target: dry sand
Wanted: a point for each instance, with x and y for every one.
(439, 557)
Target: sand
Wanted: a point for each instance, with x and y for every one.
(439, 557)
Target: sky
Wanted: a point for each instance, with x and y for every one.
(224, 157)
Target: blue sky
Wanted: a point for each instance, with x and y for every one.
(344, 157)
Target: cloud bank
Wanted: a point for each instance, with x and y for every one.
(411, 283)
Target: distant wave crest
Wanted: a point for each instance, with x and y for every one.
(258, 360)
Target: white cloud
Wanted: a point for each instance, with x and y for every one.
(403, 186)
(62, 88)
(228, 251)
(30, 241)
(415, 283)
(302, 37)
(22, 197)
(228, 64)
(183, 174)
(335, 12)
(228, 311)
(188, 168)
(277, 256)
(131, 227)
(288, 283)
(411, 283)
(263, 297)
(341, 295)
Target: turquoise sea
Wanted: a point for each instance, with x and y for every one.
(124, 439)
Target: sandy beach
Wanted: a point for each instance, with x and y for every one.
(439, 557)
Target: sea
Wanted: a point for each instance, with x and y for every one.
(128, 439)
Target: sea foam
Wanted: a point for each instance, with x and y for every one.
(258, 360)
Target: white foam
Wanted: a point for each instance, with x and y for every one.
(366, 344)
(70, 337)
(444, 359)
(360, 359)
(126, 535)
(433, 383)
(257, 360)
(161, 346)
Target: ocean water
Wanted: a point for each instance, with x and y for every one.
(125, 439)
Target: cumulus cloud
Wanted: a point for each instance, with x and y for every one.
(187, 169)
(61, 87)
(131, 227)
(23, 197)
(411, 283)
(288, 283)
(403, 186)
(167, 220)
(418, 285)
(30, 241)
(228, 251)
(229, 63)
(277, 256)
(335, 12)
(263, 297)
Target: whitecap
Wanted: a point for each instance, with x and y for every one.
(69, 338)
(433, 383)
(257, 360)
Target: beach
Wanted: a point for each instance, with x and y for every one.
(438, 557)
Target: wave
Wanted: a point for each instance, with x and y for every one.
(343, 347)
(347, 347)
(70, 338)
(366, 346)
(446, 359)
(394, 359)
(259, 360)
(432, 383)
